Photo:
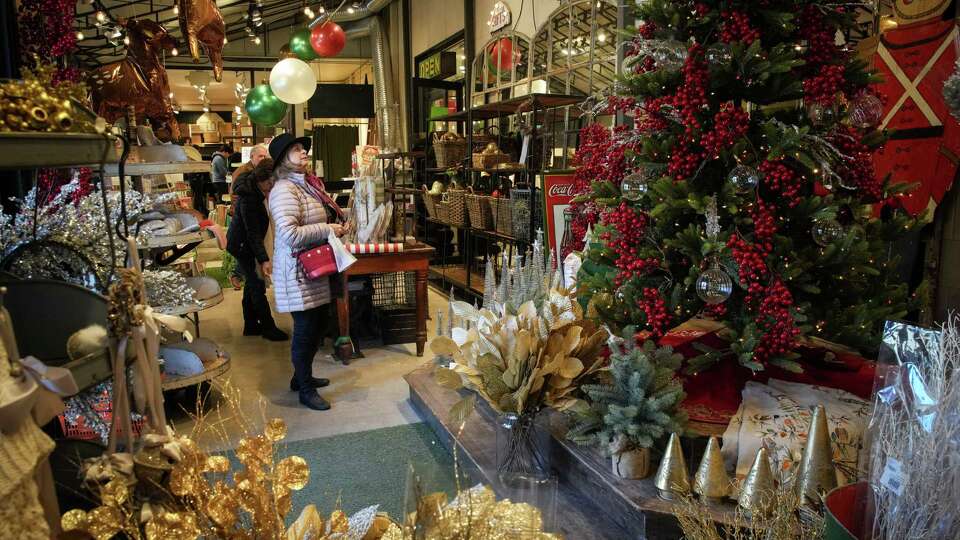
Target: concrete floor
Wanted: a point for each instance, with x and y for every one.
(370, 393)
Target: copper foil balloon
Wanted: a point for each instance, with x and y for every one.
(139, 79)
(202, 23)
(285, 52)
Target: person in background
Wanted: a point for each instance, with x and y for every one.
(219, 170)
(303, 217)
(195, 180)
(257, 153)
(248, 228)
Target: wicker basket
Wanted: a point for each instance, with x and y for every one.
(481, 214)
(443, 211)
(503, 212)
(457, 209)
(449, 153)
(489, 161)
(430, 202)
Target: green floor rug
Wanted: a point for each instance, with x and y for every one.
(370, 467)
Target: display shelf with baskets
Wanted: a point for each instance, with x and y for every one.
(491, 226)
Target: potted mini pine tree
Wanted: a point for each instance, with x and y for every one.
(636, 404)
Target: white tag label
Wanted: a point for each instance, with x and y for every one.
(892, 477)
(525, 149)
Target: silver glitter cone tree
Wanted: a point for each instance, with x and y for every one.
(489, 286)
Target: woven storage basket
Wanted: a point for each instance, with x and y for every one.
(489, 161)
(504, 213)
(481, 215)
(457, 213)
(443, 211)
(449, 153)
(430, 202)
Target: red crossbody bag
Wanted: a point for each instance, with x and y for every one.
(318, 262)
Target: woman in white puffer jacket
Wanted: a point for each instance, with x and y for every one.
(303, 216)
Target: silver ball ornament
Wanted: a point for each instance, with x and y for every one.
(714, 286)
(744, 178)
(826, 231)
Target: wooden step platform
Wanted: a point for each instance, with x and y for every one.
(593, 503)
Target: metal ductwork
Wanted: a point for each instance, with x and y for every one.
(371, 7)
(383, 95)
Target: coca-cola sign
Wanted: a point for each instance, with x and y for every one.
(560, 190)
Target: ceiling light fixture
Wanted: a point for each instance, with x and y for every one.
(308, 12)
(174, 52)
(256, 40)
(176, 10)
(101, 17)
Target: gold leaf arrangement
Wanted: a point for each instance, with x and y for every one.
(526, 361)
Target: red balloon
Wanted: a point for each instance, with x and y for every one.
(328, 39)
(501, 56)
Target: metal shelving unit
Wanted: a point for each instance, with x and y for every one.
(536, 108)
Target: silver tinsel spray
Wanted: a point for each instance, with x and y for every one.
(951, 92)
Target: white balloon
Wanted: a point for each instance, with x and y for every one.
(292, 80)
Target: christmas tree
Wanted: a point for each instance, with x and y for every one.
(637, 405)
(743, 189)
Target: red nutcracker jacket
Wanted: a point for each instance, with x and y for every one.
(914, 61)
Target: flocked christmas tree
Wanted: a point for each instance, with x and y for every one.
(636, 404)
(743, 189)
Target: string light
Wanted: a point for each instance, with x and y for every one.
(80, 36)
(176, 9)
(174, 52)
(126, 40)
(101, 17)
(256, 40)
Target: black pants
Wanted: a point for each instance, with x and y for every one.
(218, 190)
(199, 192)
(309, 329)
(256, 309)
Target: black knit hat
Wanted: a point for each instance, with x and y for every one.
(281, 143)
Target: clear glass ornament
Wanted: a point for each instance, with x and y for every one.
(866, 111)
(636, 184)
(744, 178)
(821, 115)
(714, 286)
(826, 231)
(718, 55)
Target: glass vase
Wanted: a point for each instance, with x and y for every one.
(522, 446)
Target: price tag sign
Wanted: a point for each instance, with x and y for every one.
(892, 477)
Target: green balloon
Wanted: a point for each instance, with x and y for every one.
(263, 107)
(300, 45)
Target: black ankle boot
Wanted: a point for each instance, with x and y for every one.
(312, 400)
(314, 382)
(252, 328)
(274, 334)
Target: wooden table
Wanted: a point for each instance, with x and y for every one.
(411, 259)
